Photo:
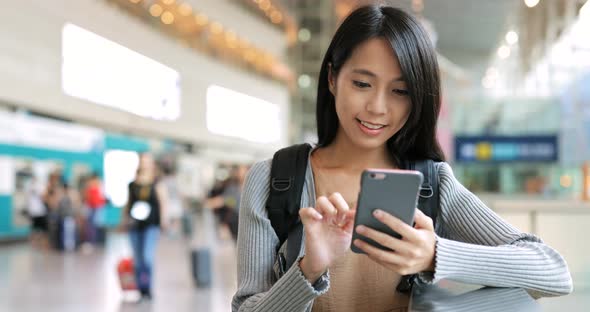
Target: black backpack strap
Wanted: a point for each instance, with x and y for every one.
(428, 203)
(287, 176)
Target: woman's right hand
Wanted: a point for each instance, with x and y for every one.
(328, 232)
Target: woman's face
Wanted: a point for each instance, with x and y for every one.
(372, 101)
(146, 164)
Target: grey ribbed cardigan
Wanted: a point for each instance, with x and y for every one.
(474, 245)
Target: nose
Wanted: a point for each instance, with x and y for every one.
(377, 104)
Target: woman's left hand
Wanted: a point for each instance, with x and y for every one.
(411, 254)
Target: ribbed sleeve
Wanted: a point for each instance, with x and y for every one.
(481, 248)
(256, 256)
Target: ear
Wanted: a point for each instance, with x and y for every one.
(331, 80)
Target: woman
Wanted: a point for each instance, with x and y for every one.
(377, 106)
(37, 211)
(143, 218)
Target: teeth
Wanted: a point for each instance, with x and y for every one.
(371, 126)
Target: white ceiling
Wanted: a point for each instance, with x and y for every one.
(469, 31)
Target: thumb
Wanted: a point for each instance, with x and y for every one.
(423, 221)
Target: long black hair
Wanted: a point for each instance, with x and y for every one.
(417, 57)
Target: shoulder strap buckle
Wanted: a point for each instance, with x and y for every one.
(426, 191)
(281, 184)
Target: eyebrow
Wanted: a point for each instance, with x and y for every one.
(372, 74)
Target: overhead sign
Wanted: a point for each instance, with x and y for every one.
(506, 148)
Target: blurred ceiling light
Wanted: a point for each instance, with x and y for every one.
(135, 1)
(232, 39)
(511, 37)
(156, 10)
(488, 82)
(167, 18)
(216, 28)
(243, 43)
(504, 51)
(257, 1)
(276, 17)
(492, 72)
(531, 3)
(231, 36)
(185, 9)
(264, 5)
(304, 81)
(201, 19)
(417, 6)
(168, 2)
(304, 35)
(250, 56)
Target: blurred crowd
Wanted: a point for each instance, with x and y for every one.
(62, 217)
(68, 218)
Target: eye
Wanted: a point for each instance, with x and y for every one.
(361, 84)
(400, 92)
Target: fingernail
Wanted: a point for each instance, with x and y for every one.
(377, 213)
(357, 242)
(360, 229)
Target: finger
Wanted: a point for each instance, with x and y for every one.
(309, 215)
(349, 221)
(423, 221)
(383, 256)
(341, 206)
(325, 207)
(399, 246)
(406, 231)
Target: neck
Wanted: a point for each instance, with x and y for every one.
(342, 153)
(145, 178)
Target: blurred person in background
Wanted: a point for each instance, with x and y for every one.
(67, 203)
(51, 200)
(377, 107)
(67, 208)
(143, 217)
(51, 193)
(37, 211)
(175, 209)
(215, 201)
(94, 202)
(226, 203)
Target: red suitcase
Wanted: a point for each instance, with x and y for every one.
(126, 274)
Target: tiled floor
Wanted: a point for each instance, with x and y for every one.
(31, 280)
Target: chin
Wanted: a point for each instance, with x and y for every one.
(369, 143)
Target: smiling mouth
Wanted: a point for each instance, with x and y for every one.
(371, 126)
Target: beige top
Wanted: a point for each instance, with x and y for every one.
(357, 283)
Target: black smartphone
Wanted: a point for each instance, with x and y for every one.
(393, 191)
